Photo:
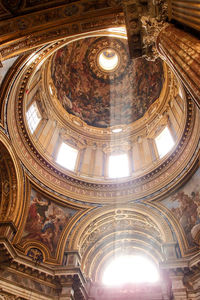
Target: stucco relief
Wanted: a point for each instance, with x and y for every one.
(30, 20)
(119, 223)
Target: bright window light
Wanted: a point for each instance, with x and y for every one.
(118, 166)
(108, 59)
(67, 156)
(164, 142)
(116, 130)
(130, 269)
(33, 117)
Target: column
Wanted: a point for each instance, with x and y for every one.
(185, 12)
(181, 50)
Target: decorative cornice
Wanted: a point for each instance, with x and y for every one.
(47, 165)
(23, 33)
(48, 275)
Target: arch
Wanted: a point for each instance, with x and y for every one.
(108, 231)
(11, 177)
(89, 222)
(130, 244)
(40, 247)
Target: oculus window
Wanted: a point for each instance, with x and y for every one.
(67, 156)
(108, 59)
(164, 142)
(33, 117)
(118, 166)
(130, 269)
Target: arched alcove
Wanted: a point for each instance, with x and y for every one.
(108, 232)
(11, 181)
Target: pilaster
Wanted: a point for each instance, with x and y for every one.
(178, 289)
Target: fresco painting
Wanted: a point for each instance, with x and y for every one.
(185, 206)
(102, 103)
(46, 221)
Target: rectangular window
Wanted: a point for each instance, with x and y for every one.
(33, 117)
(118, 166)
(164, 142)
(67, 156)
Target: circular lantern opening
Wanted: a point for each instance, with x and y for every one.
(108, 59)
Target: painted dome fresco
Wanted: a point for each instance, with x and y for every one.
(95, 80)
(83, 104)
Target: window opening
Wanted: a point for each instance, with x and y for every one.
(130, 269)
(67, 156)
(118, 166)
(33, 117)
(164, 142)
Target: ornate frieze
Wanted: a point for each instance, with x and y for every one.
(37, 280)
(19, 32)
